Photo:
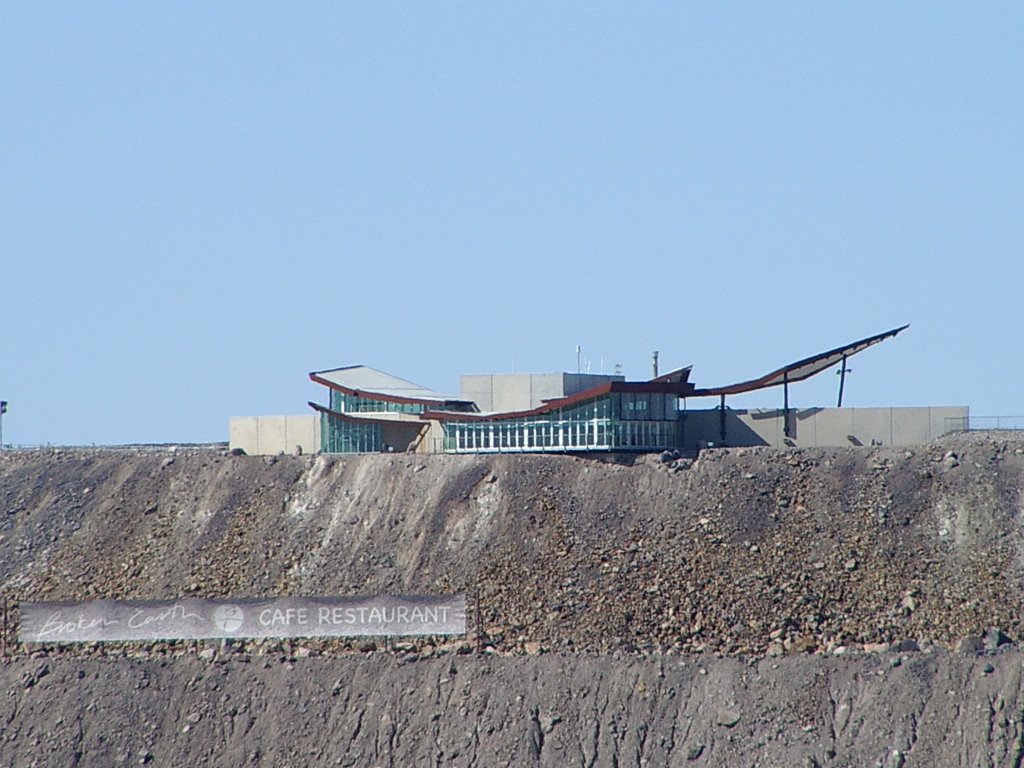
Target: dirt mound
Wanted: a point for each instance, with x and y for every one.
(626, 567)
(741, 551)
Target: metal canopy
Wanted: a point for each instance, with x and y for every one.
(802, 369)
(678, 376)
(366, 381)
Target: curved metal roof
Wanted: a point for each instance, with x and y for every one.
(802, 369)
(364, 380)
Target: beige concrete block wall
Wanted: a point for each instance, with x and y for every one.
(824, 427)
(270, 435)
(523, 391)
(510, 393)
(477, 387)
(433, 441)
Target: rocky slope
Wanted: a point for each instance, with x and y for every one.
(624, 567)
(933, 710)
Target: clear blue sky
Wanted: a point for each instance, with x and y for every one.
(202, 202)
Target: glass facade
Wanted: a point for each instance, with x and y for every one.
(339, 436)
(346, 403)
(618, 421)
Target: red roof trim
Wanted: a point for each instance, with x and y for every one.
(680, 389)
(347, 417)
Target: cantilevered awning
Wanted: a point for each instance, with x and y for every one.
(802, 369)
(363, 381)
(678, 376)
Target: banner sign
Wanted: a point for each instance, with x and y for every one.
(188, 619)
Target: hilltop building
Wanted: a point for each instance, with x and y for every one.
(369, 411)
(539, 413)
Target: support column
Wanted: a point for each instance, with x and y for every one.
(785, 405)
(842, 381)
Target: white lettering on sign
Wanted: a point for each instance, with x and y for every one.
(55, 625)
(187, 618)
(283, 617)
(382, 615)
(142, 617)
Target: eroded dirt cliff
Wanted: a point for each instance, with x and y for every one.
(810, 565)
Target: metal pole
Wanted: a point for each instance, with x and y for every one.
(721, 420)
(785, 404)
(842, 381)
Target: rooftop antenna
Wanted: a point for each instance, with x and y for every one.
(579, 350)
(618, 369)
(654, 364)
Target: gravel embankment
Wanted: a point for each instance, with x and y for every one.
(830, 564)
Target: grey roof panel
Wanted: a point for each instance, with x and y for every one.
(363, 378)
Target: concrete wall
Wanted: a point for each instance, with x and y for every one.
(270, 435)
(523, 391)
(810, 427)
(819, 427)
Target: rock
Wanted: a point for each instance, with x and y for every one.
(971, 644)
(694, 751)
(548, 722)
(905, 646)
(804, 644)
(994, 639)
(531, 647)
(728, 717)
